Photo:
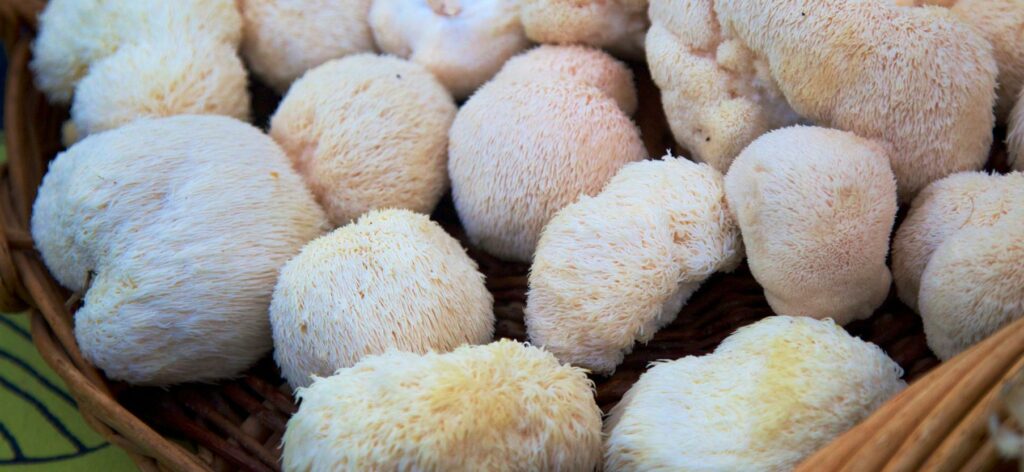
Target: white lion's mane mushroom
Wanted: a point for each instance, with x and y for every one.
(175, 229)
(160, 78)
(520, 150)
(75, 34)
(119, 61)
(1001, 22)
(613, 269)
(499, 407)
(873, 68)
(616, 25)
(462, 42)
(285, 38)
(770, 395)
(956, 258)
(368, 132)
(392, 280)
(589, 65)
(816, 207)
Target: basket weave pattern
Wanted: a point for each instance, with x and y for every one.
(238, 424)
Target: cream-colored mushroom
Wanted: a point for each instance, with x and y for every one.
(613, 269)
(462, 42)
(730, 70)
(368, 132)
(956, 258)
(816, 207)
(588, 65)
(392, 280)
(770, 395)
(174, 229)
(504, 406)
(616, 25)
(520, 150)
(285, 38)
(157, 79)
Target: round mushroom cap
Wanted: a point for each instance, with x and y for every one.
(867, 67)
(520, 151)
(973, 286)
(462, 42)
(613, 269)
(174, 228)
(770, 395)
(368, 132)
(956, 258)
(157, 79)
(75, 34)
(497, 407)
(968, 199)
(616, 25)
(591, 66)
(816, 207)
(285, 38)
(392, 280)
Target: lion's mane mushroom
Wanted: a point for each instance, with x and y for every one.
(589, 65)
(611, 270)
(816, 207)
(368, 132)
(1001, 22)
(118, 61)
(771, 394)
(956, 258)
(157, 79)
(616, 25)
(879, 70)
(462, 42)
(392, 280)
(175, 229)
(520, 150)
(285, 38)
(501, 406)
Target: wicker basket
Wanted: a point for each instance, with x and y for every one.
(939, 421)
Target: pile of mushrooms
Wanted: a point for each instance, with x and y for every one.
(201, 243)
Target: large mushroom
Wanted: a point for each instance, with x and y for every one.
(174, 229)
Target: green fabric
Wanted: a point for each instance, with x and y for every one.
(38, 418)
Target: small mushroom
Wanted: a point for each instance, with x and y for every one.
(520, 150)
(616, 25)
(160, 78)
(816, 207)
(612, 269)
(501, 406)
(873, 68)
(769, 396)
(368, 132)
(174, 229)
(285, 38)
(462, 42)
(392, 280)
(956, 258)
(589, 65)
(75, 34)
